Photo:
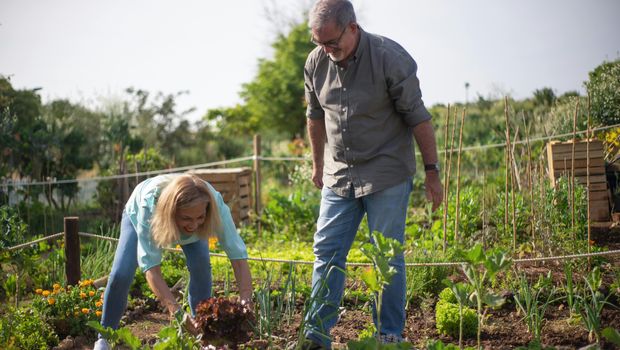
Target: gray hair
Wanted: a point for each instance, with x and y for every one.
(324, 11)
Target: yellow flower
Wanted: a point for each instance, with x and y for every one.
(51, 301)
(91, 293)
(82, 295)
(98, 304)
(45, 293)
(212, 242)
(77, 313)
(85, 311)
(56, 286)
(98, 313)
(38, 291)
(178, 246)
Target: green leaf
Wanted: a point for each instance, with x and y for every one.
(475, 255)
(369, 277)
(493, 300)
(128, 338)
(612, 335)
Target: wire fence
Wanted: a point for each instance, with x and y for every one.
(352, 264)
(17, 183)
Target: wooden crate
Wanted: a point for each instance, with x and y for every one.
(560, 157)
(235, 185)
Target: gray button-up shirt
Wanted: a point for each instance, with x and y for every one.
(369, 108)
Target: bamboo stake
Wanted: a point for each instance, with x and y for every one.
(572, 170)
(484, 214)
(458, 178)
(449, 170)
(588, 137)
(446, 187)
(529, 175)
(508, 172)
(512, 195)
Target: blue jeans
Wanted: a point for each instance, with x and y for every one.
(124, 269)
(338, 222)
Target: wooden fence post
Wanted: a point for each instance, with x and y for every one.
(72, 250)
(257, 183)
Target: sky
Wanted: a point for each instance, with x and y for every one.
(91, 51)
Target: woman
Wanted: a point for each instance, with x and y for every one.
(163, 211)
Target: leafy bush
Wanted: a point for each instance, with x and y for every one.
(26, 329)
(603, 88)
(447, 320)
(69, 309)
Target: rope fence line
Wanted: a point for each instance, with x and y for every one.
(272, 159)
(352, 264)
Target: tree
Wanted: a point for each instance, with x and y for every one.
(274, 100)
(604, 90)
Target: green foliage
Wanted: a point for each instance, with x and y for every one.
(448, 296)
(26, 329)
(532, 301)
(612, 335)
(604, 90)
(116, 337)
(69, 309)
(439, 345)
(447, 320)
(373, 344)
(590, 306)
(275, 97)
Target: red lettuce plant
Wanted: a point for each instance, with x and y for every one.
(224, 321)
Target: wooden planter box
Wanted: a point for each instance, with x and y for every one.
(560, 155)
(235, 186)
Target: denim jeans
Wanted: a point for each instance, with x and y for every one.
(124, 269)
(338, 222)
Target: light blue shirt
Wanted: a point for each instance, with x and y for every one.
(140, 208)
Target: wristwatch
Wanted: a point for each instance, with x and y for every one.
(431, 167)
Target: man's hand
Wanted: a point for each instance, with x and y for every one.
(317, 176)
(434, 188)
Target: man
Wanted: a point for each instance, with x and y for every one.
(364, 109)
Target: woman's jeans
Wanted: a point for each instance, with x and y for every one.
(338, 222)
(124, 269)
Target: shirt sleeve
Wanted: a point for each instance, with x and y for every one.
(227, 234)
(149, 254)
(313, 109)
(404, 87)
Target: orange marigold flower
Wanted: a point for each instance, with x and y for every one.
(82, 295)
(56, 286)
(91, 293)
(99, 304)
(212, 242)
(51, 301)
(45, 293)
(85, 311)
(38, 291)
(98, 313)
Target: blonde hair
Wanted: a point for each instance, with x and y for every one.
(183, 191)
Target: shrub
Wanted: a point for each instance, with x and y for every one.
(26, 329)
(447, 320)
(68, 309)
(447, 295)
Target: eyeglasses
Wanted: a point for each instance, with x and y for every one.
(332, 44)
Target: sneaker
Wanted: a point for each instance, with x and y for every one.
(102, 344)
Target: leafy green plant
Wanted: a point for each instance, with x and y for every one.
(116, 337)
(69, 309)
(479, 267)
(612, 335)
(26, 329)
(455, 320)
(590, 306)
(532, 301)
(380, 275)
(439, 345)
(459, 293)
